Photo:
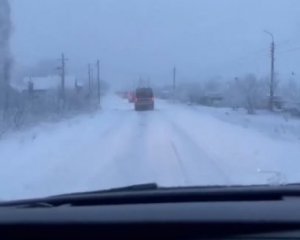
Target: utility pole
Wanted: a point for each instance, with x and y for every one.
(174, 82)
(272, 75)
(90, 79)
(63, 76)
(174, 79)
(6, 86)
(98, 82)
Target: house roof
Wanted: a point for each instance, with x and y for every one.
(43, 83)
(47, 83)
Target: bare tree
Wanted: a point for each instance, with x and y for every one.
(251, 92)
(5, 58)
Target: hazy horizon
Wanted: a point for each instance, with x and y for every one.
(147, 38)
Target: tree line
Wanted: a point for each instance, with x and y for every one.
(248, 92)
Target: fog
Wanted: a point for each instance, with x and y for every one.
(225, 119)
(146, 38)
(5, 58)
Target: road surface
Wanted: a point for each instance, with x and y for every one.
(174, 145)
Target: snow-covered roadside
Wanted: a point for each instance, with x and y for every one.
(238, 150)
(275, 125)
(174, 145)
(30, 158)
(46, 159)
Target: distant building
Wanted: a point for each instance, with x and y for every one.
(45, 85)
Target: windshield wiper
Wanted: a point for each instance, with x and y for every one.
(151, 193)
(56, 200)
(137, 187)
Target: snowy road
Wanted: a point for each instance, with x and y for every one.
(175, 145)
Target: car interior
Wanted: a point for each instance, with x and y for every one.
(151, 212)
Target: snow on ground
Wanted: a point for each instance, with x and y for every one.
(241, 150)
(174, 145)
(277, 125)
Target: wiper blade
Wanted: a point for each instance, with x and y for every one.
(70, 198)
(151, 193)
(132, 188)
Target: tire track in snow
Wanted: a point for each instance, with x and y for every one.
(212, 162)
(73, 167)
(114, 155)
(180, 162)
(160, 155)
(196, 158)
(128, 165)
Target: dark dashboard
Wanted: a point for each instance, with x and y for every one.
(253, 219)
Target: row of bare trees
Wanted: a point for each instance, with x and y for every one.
(248, 92)
(29, 107)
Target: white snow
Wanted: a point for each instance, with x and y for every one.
(175, 145)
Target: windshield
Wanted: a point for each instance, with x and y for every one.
(102, 94)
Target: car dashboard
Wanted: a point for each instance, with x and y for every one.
(178, 220)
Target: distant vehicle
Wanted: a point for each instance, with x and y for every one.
(144, 99)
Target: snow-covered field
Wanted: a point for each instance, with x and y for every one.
(175, 145)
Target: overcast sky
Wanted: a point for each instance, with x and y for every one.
(146, 38)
